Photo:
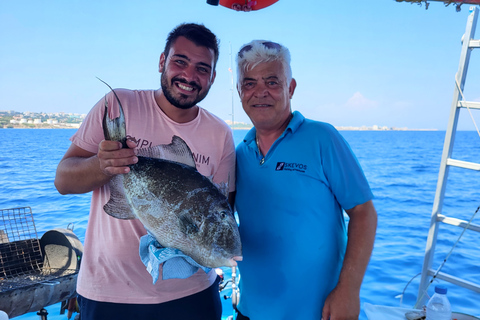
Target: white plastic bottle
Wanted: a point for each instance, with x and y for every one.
(438, 307)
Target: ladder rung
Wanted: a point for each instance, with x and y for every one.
(458, 222)
(474, 44)
(469, 104)
(463, 164)
(455, 280)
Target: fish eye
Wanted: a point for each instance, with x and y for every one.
(223, 215)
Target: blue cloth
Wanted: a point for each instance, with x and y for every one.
(292, 225)
(175, 263)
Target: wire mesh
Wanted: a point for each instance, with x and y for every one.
(17, 224)
(20, 250)
(28, 263)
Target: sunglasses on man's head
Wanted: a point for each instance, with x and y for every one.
(267, 44)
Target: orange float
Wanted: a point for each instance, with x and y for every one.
(246, 5)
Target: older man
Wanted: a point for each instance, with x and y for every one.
(295, 177)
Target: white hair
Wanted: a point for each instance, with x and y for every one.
(260, 51)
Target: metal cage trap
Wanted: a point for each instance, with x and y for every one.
(35, 272)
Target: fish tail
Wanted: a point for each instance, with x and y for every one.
(114, 129)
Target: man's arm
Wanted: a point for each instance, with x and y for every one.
(81, 171)
(344, 301)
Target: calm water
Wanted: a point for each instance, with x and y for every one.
(401, 166)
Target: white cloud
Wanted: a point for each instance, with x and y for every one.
(359, 102)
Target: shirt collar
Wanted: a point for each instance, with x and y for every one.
(296, 121)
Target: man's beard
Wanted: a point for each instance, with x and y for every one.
(181, 102)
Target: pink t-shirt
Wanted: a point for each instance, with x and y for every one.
(111, 269)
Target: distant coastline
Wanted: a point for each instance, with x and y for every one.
(379, 129)
(40, 126)
(10, 119)
(31, 120)
(248, 126)
(237, 126)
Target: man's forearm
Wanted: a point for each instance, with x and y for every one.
(79, 175)
(361, 236)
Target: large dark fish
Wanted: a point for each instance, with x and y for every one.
(179, 206)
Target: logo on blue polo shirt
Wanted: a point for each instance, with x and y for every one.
(284, 166)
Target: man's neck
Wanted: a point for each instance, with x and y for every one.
(265, 137)
(176, 114)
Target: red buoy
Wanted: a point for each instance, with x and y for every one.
(246, 5)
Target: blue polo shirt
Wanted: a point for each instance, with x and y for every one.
(290, 205)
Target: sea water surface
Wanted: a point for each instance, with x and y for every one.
(402, 169)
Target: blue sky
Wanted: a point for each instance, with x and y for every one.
(376, 62)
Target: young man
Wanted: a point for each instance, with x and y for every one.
(113, 283)
(295, 177)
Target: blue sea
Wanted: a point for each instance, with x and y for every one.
(401, 166)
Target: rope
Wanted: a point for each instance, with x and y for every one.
(457, 3)
(405, 289)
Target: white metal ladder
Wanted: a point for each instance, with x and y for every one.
(437, 217)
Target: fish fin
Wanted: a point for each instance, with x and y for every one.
(187, 224)
(176, 151)
(117, 206)
(221, 186)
